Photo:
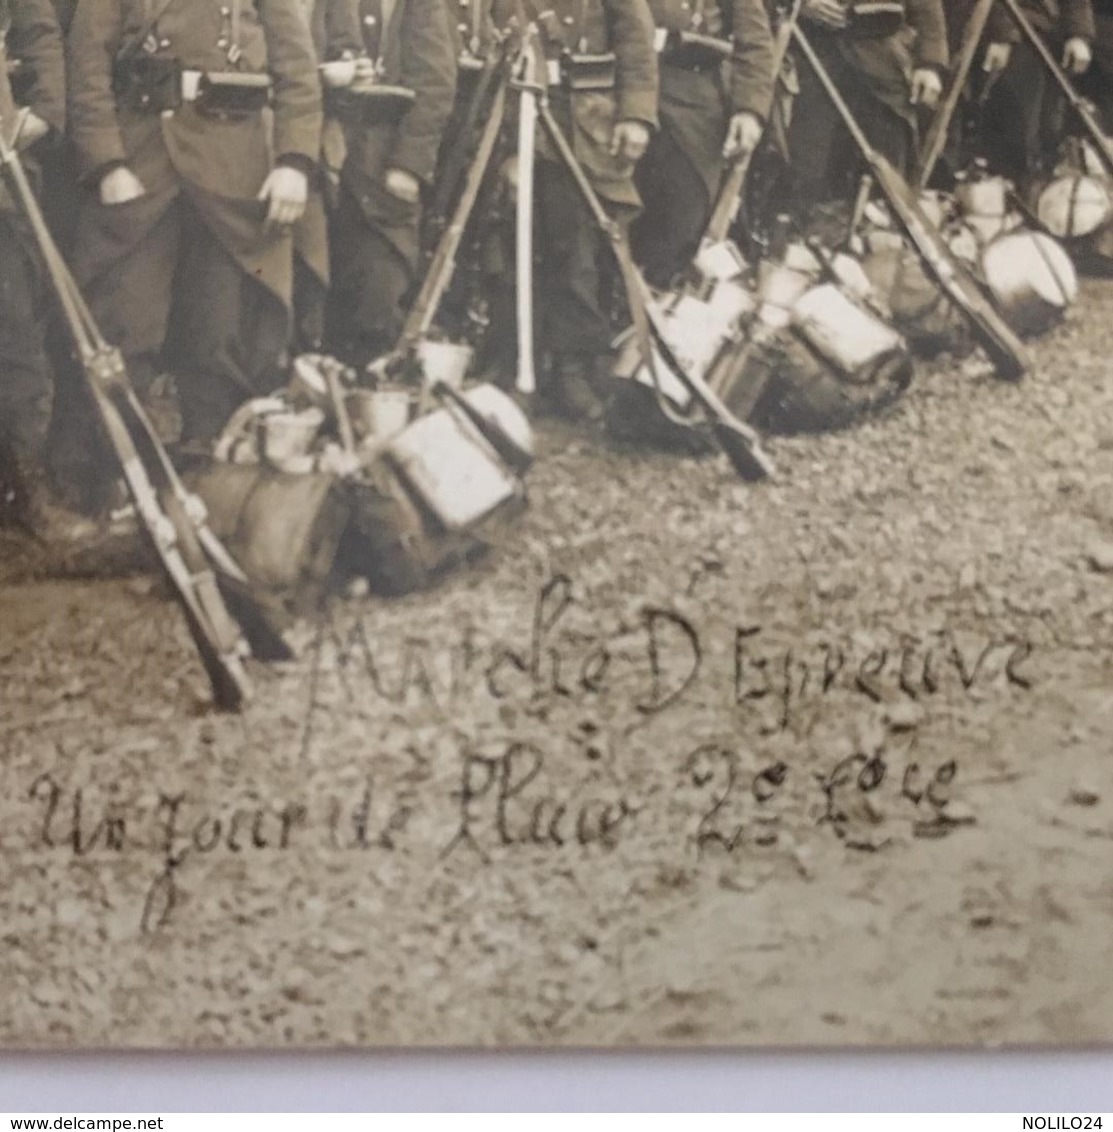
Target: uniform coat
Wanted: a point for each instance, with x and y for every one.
(873, 75)
(569, 308)
(190, 265)
(595, 27)
(33, 38)
(220, 164)
(679, 176)
(1025, 115)
(694, 104)
(1097, 83)
(1059, 21)
(35, 41)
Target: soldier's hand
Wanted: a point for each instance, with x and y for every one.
(997, 56)
(119, 186)
(743, 134)
(629, 139)
(927, 86)
(286, 190)
(32, 129)
(829, 13)
(338, 72)
(405, 186)
(1076, 55)
(365, 74)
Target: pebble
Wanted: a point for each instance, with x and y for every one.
(1099, 555)
(904, 715)
(1081, 794)
(606, 1000)
(804, 859)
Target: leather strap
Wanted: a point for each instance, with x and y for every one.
(151, 17)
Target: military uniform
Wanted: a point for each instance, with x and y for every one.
(34, 50)
(1025, 114)
(873, 76)
(1097, 83)
(334, 25)
(680, 173)
(189, 269)
(571, 318)
(473, 36)
(375, 236)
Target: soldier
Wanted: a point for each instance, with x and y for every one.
(338, 42)
(184, 241)
(475, 41)
(603, 93)
(392, 155)
(1097, 83)
(32, 53)
(887, 60)
(705, 117)
(1024, 115)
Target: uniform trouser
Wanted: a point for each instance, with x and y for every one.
(1097, 84)
(825, 162)
(25, 384)
(675, 209)
(572, 270)
(177, 297)
(310, 297)
(1024, 117)
(374, 263)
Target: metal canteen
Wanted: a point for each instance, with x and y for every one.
(843, 331)
(1074, 205)
(1031, 278)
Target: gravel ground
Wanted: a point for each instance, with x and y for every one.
(823, 761)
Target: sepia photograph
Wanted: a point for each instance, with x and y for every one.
(556, 523)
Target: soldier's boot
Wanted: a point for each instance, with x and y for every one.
(29, 501)
(574, 387)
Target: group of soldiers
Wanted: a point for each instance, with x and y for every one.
(233, 181)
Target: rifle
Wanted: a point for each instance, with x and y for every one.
(225, 619)
(1005, 350)
(1082, 109)
(936, 137)
(459, 155)
(443, 264)
(729, 199)
(740, 443)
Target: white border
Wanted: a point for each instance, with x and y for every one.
(448, 1081)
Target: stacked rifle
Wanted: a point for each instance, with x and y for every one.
(703, 360)
(692, 362)
(226, 620)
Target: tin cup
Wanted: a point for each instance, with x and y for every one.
(444, 361)
(379, 413)
(289, 435)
